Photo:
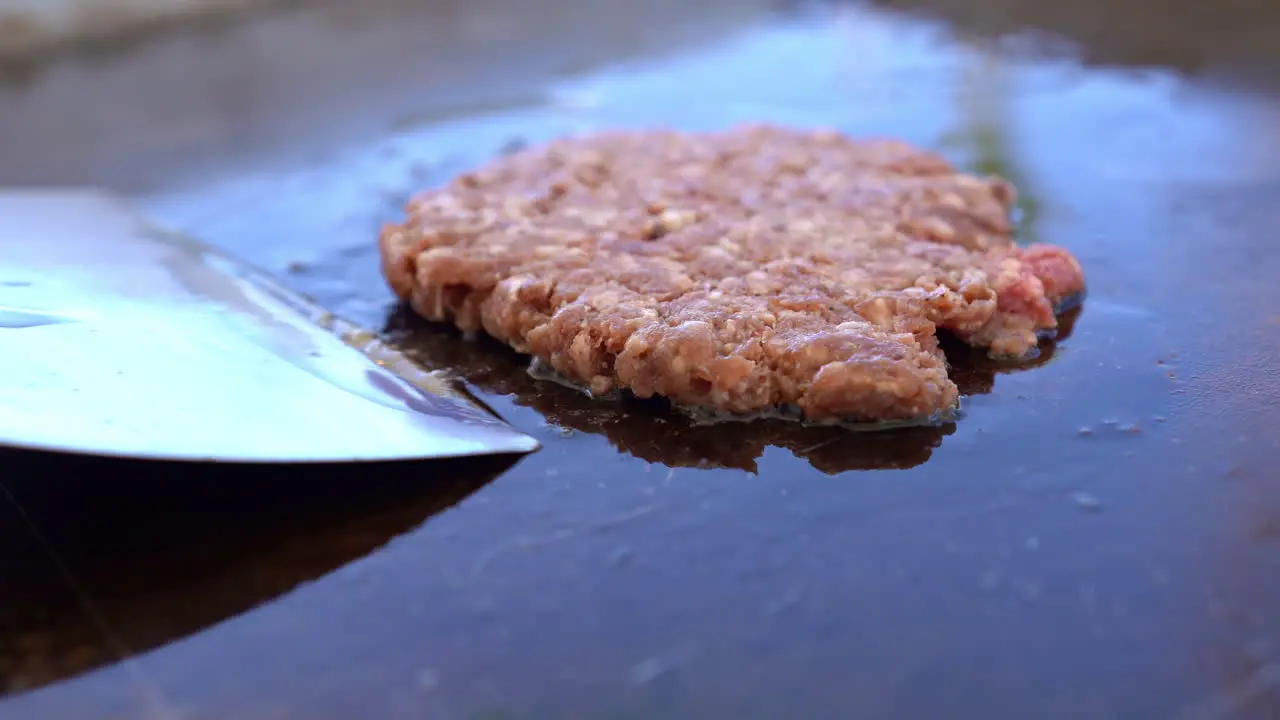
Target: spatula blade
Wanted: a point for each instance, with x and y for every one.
(118, 338)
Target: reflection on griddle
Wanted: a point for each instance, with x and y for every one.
(107, 558)
(652, 431)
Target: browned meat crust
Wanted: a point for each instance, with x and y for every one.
(741, 271)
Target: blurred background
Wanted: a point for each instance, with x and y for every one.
(134, 93)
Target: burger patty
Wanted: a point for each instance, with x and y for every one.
(740, 271)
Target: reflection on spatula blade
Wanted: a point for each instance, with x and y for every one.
(117, 338)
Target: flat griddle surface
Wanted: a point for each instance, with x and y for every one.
(1097, 537)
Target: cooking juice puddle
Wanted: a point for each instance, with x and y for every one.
(653, 431)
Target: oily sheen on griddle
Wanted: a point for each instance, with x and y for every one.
(742, 271)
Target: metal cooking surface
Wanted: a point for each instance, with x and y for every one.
(1098, 536)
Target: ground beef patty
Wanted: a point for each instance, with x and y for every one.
(741, 271)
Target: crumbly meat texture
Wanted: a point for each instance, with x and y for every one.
(741, 271)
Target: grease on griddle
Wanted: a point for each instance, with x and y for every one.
(652, 431)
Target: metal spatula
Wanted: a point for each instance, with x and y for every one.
(118, 338)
